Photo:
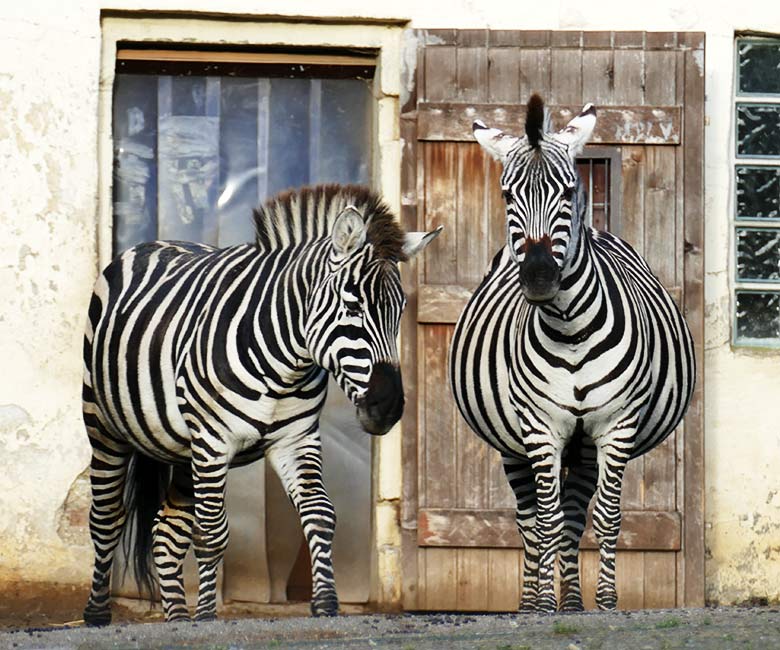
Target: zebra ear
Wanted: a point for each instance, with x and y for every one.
(349, 232)
(577, 132)
(417, 241)
(497, 143)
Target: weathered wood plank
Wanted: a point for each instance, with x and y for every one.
(534, 72)
(472, 216)
(565, 77)
(441, 181)
(660, 580)
(482, 528)
(660, 78)
(504, 577)
(444, 303)
(473, 585)
(441, 576)
(504, 75)
(632, 221)
(439, 419)
(694, 311)
(598, 77)
(630, 579)
(659, 212)
(472, 74)
(625, 124)
(441, 74)
(629, 77)
(660, 485)
(441, 303)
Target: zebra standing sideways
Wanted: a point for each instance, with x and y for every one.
(570, 354)
(198, 359)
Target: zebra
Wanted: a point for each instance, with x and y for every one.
(198, 359)
(569, 355)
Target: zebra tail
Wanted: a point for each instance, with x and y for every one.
(147, 484)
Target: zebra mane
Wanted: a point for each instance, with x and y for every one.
(535, 125)
(305, 215)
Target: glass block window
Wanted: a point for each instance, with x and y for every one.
(757, 193)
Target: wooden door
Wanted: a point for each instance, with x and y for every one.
(461, 550)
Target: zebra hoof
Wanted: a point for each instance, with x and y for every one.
(546, 606)
(572, 606)
(99, 618)
(205, 616)
(328, 606)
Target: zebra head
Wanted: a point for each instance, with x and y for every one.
(540, 186)
(355, 312)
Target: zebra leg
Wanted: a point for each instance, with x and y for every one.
(606, 519)
(172, 537)
(549, 522)
(299, 466)
(521, 479)
(578, 488)
(210, 463)
(108, 472)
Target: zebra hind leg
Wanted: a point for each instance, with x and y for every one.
(606, 519)
(578, 489)
(210, 463)
(521, 480)
(299, 466)
(172, 534)
(108, 473)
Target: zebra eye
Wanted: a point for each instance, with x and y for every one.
(507, 196)
(352, 307)
(568, 194)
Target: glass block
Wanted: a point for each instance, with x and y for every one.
(758, 254)
(758, 67)
(758, 317)
(758, 129)
(758, 192)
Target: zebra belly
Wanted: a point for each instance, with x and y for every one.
(480, 357)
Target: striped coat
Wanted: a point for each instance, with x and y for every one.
(198, 359)
(570, 359)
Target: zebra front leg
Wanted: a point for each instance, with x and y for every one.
(172, 538)
(108, 473)
(606, 518)
(521, 479)
(299, 467)
(210, 463)
(549, 522)
(578, 489)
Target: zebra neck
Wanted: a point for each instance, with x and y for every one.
(281, 316)
(581, 299)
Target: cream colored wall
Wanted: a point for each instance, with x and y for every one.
(50, 62)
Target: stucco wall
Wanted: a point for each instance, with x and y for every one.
(49, 73)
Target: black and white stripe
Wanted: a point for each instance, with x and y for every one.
(198, 359)
(569, 356)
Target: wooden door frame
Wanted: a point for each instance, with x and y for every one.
(690, 446)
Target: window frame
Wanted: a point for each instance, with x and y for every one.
(742, 285)
(614, 155)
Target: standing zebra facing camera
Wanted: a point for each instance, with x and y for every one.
(199, 359)
(570, 354)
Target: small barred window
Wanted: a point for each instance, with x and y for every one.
(757, 188)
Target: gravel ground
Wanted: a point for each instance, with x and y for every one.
(714, 629)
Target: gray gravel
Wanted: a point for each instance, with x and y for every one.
(713, 629)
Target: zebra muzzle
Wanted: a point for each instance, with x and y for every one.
(383, 403)
(540, 277)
